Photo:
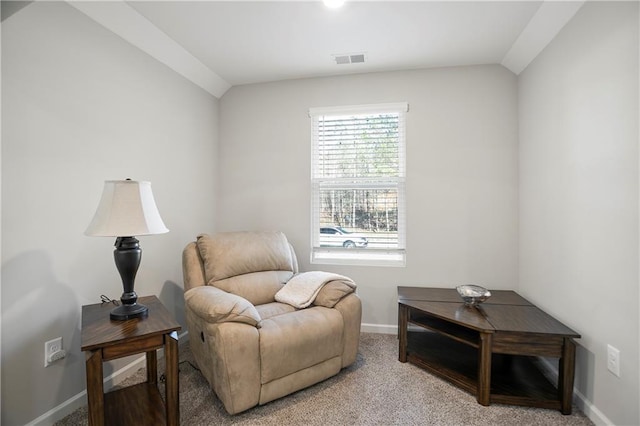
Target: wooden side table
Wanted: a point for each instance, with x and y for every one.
(105, 340)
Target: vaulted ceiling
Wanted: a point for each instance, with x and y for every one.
(219, 44)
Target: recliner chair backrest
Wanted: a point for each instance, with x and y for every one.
(253, 265)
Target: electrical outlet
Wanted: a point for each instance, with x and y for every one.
(52, 351)
(613, 360)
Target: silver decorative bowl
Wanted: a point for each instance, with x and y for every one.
(473, 295)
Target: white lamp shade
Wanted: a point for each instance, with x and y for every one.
(127, 208)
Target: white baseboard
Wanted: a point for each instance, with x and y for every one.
(80, 400)
(61, 411)
(388, 329)
(379, 328)
(591, 411)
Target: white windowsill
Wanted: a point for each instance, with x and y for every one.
(368, 257)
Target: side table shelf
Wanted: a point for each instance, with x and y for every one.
(453, 331)
(105, 340)
(515, 379)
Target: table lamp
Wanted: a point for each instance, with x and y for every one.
(127, 208)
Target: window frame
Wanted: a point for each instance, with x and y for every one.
(359, 256)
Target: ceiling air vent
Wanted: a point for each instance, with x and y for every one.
(356, 58)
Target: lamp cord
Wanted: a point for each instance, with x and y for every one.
(104, 299)
(163, 378)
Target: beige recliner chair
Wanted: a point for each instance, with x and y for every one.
(251, 348)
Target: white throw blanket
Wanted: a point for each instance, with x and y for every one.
(301, 290)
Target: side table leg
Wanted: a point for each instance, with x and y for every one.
(152, 367)
(403, 321)
(171, 373)
(484, 369)
(566, 375)
(95, 392)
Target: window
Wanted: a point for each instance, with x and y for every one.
(358, 184)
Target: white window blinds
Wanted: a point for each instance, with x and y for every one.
(358, 181)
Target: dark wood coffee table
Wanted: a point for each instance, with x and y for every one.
(490, 350)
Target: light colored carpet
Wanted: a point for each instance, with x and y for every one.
(376, 390)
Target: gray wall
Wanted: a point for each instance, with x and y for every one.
(553, 217)
(80, 105)
(578, 109)
(461, 173)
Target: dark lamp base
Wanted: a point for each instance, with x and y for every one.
(125, 312)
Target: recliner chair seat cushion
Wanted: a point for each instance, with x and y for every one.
(294, 341)
(273, 309)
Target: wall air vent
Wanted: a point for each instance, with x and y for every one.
(354, 58)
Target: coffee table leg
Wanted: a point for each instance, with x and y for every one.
(403, 321)
(566, 375)
(484, 369)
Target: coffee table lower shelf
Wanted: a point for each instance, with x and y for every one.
(515, 380)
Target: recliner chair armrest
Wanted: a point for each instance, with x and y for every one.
(215, 306)
(351, 309)
(332, 293)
